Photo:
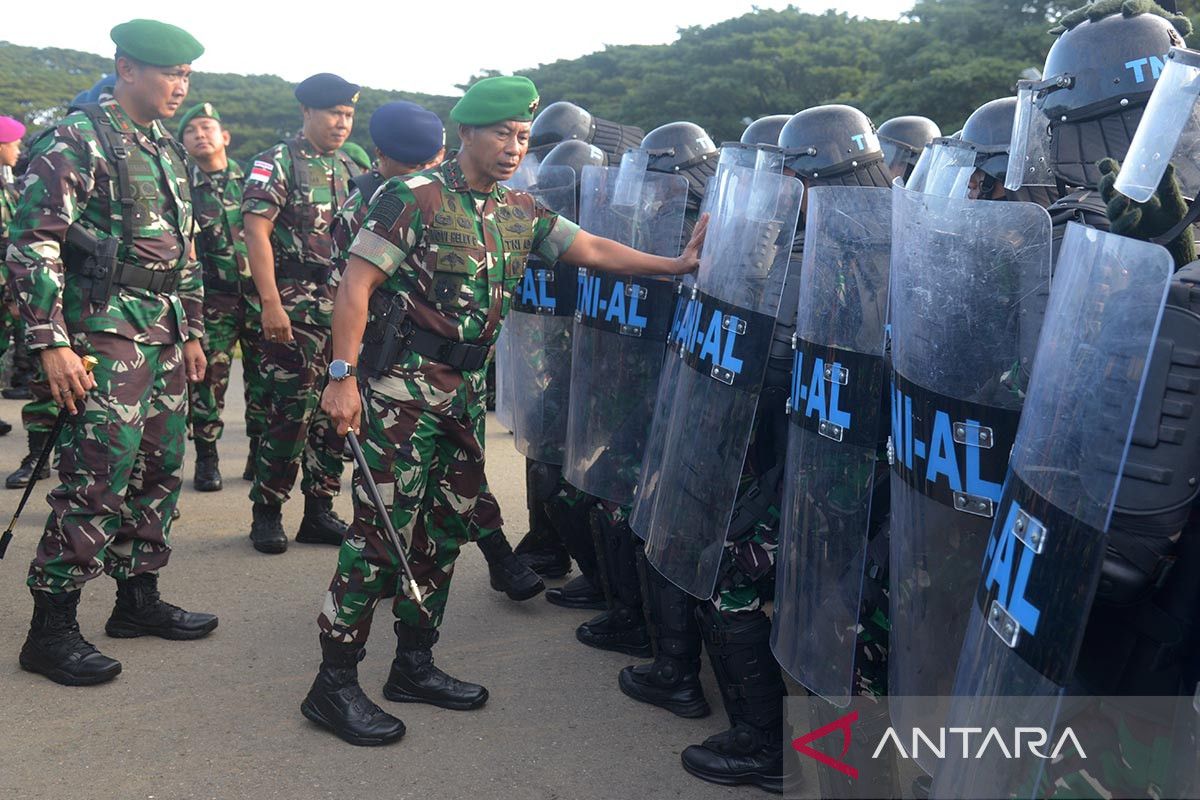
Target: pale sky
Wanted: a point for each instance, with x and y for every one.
(415, 46)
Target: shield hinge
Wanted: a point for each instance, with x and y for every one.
(727, 324)
(795, 341)
(546, 275)
(974, 504)
(545, 311)
(1029, 531)
(630, 330)
(723, 375)
(891, 452)
(632, 289)
(836, 373)
(831, 430)
(1003, 624)
(972, 434)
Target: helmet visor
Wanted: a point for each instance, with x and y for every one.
(1169, 132)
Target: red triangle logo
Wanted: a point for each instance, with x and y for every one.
(843, 724)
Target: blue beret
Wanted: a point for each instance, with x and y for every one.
(326, 90)
(406, 132)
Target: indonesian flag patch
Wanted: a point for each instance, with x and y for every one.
(261, 172)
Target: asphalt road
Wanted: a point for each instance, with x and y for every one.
(219, 718)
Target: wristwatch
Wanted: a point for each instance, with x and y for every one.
(339, 370)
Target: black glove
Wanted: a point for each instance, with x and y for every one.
(1148, 220)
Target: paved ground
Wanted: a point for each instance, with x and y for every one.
(219, 718)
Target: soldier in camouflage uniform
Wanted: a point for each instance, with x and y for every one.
(231, 306)
(11, 131)
(408, 139)
(443, 250)
(292, 194)
(101, 254)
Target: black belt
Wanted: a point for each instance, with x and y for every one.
(159, 281)
(303, 271)
(460, 355)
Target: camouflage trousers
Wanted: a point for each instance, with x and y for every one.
(119, 464)
(228, 321)
(430, 466)
(298, 433)
(38, 415)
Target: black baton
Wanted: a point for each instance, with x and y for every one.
(89, 364)
(381, 509)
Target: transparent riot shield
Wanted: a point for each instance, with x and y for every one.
(1046, 547)
(951, 165)
(733, 154)
(621, 326)
(1168, 133)
(502, 364)
(833, 442)
(961, 274)
(539, 329)
(725, 338)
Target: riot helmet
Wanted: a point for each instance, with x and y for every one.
(683, 148)
(903, 139)
(563, 121)
(576, 155)
(834, 145)
(1097, 80)
(764, 130)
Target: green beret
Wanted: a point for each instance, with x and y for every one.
(156, 43)
(195, 112)
(357, 154)
(493, 100)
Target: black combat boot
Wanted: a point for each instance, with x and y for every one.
(542, 549)
(751, 751)
(208, 471)
(414, 678)
(55, 647)
(248, 472)
(577, 593)
(320, 525)
(338, 703)
(20, 478)
(141, 612)
(266, 531)
(17, 393)
(622, 628)
(673, 680)
(506, 573)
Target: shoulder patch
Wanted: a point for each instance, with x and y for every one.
(386, 209)
(261, 171)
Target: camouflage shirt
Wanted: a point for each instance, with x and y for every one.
(302, 223)
(346, 224)
(8, 205)
(70, 179)
(454, 257)
(220, 247)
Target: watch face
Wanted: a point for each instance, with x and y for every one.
(338, 369)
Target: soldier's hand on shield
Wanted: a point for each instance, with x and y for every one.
(69, 380)
(194, 360)
(342, 403)
(689, 259)
(275, 323)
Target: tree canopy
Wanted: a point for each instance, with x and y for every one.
(943, 59)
